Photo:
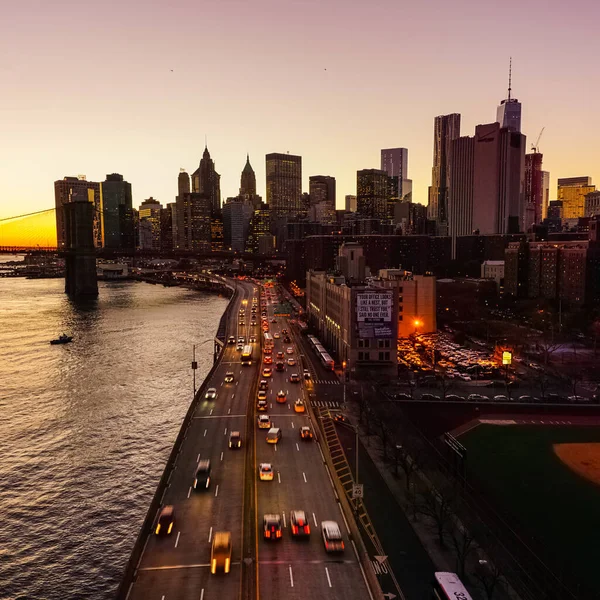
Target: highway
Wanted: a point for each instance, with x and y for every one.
(177, 566)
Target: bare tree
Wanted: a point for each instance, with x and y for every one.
(437, 505)
(463, 543)
(543, 383)
(409, 464)
(446, 384)
(489, 578)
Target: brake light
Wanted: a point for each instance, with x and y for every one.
(306, 529)
(267, 533)
(157, 528)
(326, 545)
(279, 534)
(342, 545)
(227, 562)
(294, 529)
(213, 566)
(170, 527)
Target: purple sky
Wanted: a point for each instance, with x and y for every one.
(87, 87)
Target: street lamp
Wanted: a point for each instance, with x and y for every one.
(344, 381)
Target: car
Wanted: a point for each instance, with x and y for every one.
(281, 398)
(526, 399)
(340, 418)
(294, 378)
(263, 385)
(229, 377)
(253, 323)
(291, 362)
(332, 536)
(501, 398)
(264, 422)
(268, 360)
(284, 331)
(272, 527)
(299, 406)
(477, 398)
(306, 433)
(262, 395)
(299, 524)
(454, 398)
(231, 340)
(430, 397)
(287, 339)
(267, 372)
(577, 399)
(252, 339)
(273, 435)
(268, 351)
(402, 396)
(211, 394)
(279, 366)
(239, 348)
(280, 356)
(306, 373)
(261, 405)
(220, 553)
(165, 520)
(235, 439)
(241, 323)
(202, 476)
(241, 340)
(276, 336)
(265, 472)
(465, 377)
(289, 350)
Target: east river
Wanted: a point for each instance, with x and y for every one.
(86, 428)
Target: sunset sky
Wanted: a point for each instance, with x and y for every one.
(87, 88)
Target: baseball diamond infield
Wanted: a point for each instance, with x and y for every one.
(544, 479)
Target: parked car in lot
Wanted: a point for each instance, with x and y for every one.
(501, 398)
(402, 396)
(454, 398)
(477, 398)
(430, 397)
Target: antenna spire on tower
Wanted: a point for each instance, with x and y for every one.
(509, 77)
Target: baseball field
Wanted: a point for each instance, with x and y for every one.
(546, 478)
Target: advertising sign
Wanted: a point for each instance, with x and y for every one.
(374, 307)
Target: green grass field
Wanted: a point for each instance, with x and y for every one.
(546, 500)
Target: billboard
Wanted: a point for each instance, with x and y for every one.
(374, 307)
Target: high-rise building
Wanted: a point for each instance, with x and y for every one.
(394, 161)
(259, 230)
(216, 231)
(194, 222)
(350, 203)
(65, 190)
(248, 180)
(508, 114)
(572, 191)
(205, 180)
(445, 129)
(372, 188)
(237, 213)
(168, 220)
(284, 185)
(499, 169)
(534, 191)
(545, 193)
(592, 204)
(117, 215)
(150, 224)
(460, 198)
(322, 194)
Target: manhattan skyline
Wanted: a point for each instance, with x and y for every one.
(61, 118)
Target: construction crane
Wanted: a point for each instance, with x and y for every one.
(536, 147)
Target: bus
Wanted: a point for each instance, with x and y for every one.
(447, 586)
(268, 340)
(320, 351)
(247, 355)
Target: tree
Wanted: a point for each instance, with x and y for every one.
(446, 384)
(489, 578)
(437, 505)
(543, 383)
(408, 464)
(463, 543)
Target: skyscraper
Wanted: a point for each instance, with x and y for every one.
(322, 194)
(545, 193)
(372, 189)
(460, 198)
(572, 191)
(149, 224)
(237, 213)
(350, 203)
(534, 190)
(248, 180)
(394, 161)
(65, 190)
(508, 114)
(445, 129)
(205, 180)
(284, 185)
(499, 170)
(117, 213)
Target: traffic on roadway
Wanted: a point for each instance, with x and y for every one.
(251, 456)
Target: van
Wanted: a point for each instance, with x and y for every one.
(202, 477)
(220, 553)
(274, 435)
(332, 536)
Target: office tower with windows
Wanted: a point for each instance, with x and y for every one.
(284, 185)
(322, 195)
(205, 180)
(372, 189)
(572, 192)
(117, 216)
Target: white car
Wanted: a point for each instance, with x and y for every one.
(290, 350)
(265, 472)
(211, 394)
(264, 422)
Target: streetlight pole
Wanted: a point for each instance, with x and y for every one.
(195, 363)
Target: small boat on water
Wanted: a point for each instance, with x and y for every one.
(62, 339)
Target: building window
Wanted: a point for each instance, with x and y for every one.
(387, 356)
(381, 355)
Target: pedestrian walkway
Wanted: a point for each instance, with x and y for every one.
(326, 381)
(326, 404)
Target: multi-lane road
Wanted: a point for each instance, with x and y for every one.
(177, 566)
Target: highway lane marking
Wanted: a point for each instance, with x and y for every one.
(297, 447)
(304, 475)
(177, 540)
(284, 520)
(210, 413)
(275, 447)
(189, 491)
(210, 535)
(205, 431)
(278, 477)
(315, 519)
(221, 417)
(228, 411)
(172, 567)
(328, 580)
(198, 459)
(225, 431)
(293, 428)
(291, 577)
(202, 594)
(344, 516)
(217, 493)
(163, 598)
(306, 562)
(221, 456)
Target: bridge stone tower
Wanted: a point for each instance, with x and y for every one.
(80, 254)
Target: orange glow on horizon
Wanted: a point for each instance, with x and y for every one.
(31, 231)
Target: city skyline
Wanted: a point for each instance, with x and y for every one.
(147, 135)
